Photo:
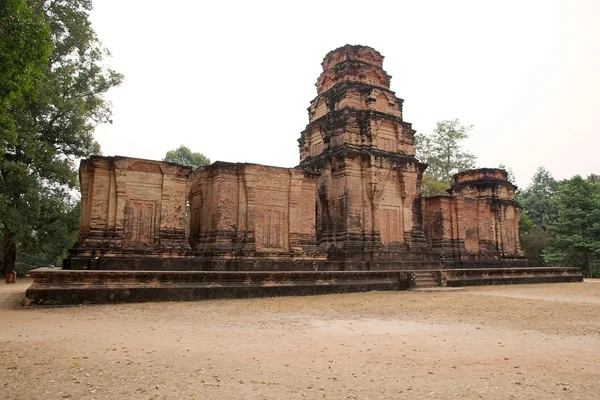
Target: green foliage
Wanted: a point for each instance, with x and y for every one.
(577, 227)
(595, 269)
(24, 49)
(442, 150)
(184, 156)
(430, 186)
(53, 232)
(53, 123)
(539, 200)
(540, 210)
(533, 242)
(526, 225)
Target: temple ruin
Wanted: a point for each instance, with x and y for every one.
(350, 216)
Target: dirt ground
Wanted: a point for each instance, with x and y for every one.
(501, 342)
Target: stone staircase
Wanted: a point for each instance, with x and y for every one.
(424, 280)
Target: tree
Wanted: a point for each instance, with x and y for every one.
(539, 200)
(577, 227)
(25, 46)
(184, 156)
(54, 231)
(525, 223)
(540, 210)
(533, 242)
(442, 150)
(54, 124)
(430, 186)
(510, 175)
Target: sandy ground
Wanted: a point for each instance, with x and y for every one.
(502, 342)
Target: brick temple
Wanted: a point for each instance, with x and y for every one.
(349, 217)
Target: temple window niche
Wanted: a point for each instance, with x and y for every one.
(316, 145)
(391, 222)
(382, 103)
(386, 137)
(320, 109)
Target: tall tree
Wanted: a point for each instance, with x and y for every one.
(442, 150)
(54, 125)
(577, 228)
(184, 156)
(539, 199)
(25, 46)
(540, 210)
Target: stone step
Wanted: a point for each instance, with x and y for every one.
(424, 286)
(428, 280)
(424, 282)
(425, 279)
(424, 276)
(429, 276)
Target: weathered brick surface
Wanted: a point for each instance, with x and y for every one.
(358, 142)
(479, 219)
(248, 208)
(130, 204)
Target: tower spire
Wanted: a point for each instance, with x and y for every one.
(357, 140)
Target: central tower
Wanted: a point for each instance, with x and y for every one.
(357, 141)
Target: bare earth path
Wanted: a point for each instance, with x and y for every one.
(502, 342)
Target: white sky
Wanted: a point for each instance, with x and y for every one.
(233, 79)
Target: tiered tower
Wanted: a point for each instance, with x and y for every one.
(359, 144)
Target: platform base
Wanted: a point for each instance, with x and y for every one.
(53, 287)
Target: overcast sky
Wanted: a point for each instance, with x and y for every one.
(233, 79)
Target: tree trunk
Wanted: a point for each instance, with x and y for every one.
(588, 267)
(588, 270)
(9, 252)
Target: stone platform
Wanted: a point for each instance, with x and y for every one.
(54, 287)
(507, 276)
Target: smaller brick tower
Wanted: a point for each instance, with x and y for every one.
(357, 141)
(478, 220)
